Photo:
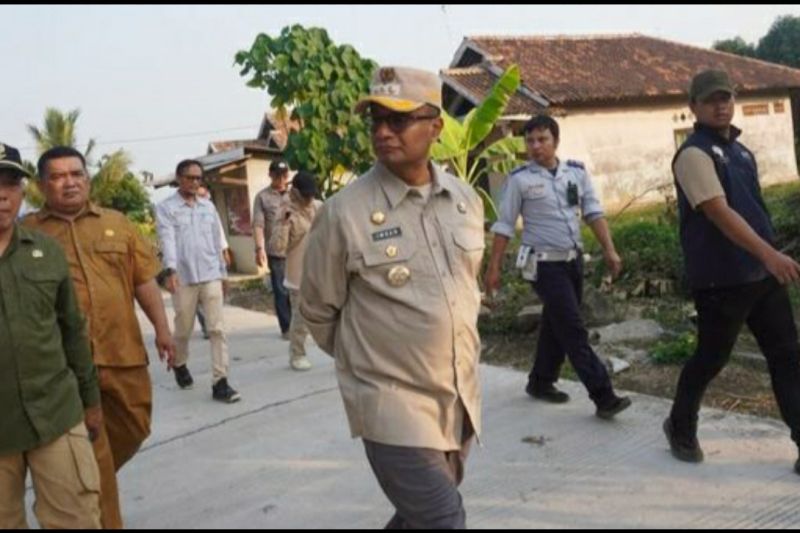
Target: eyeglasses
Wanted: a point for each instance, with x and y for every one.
(397, 122)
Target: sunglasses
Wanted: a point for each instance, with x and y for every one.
(396, 122)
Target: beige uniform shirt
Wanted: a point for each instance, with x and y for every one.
(289, 238)
(697, 177)
(389, 289)
(266, 206)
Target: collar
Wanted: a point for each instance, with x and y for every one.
(396, 189)
(711, 132)
(90, 209)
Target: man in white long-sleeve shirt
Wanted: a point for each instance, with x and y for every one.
(188, 227)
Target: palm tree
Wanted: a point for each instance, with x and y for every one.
(59, 130)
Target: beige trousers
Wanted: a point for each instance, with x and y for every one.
(185, 302)
(66, 482)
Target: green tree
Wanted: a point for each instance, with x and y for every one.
(116, 187)
(781, 44)
(460, 145)
(58, 130)
(736, 46)
(320, 82)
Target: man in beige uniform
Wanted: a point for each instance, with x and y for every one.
(290, 237)
(389, 289)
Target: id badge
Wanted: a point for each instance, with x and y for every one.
(529, 272)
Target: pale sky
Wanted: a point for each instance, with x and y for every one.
(159, 81)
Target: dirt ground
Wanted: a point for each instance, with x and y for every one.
(739, 388)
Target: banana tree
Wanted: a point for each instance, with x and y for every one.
(459, 140)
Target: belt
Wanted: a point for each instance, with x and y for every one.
(556, 255)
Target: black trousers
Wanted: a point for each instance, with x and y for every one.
(765, 307)
(563, 333)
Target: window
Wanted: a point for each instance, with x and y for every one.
(755, 109)
(778, 107)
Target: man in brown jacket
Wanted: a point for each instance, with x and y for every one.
(112, 266)
(389, 289)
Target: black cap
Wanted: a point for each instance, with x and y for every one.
(278, 166)
(11, 160)
(305, 183)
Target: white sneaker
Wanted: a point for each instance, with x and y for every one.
(300, 363)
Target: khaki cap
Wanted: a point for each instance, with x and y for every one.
(707, 82)
(402, 89)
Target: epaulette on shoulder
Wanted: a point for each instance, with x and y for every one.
(519, 169)
(576, 164)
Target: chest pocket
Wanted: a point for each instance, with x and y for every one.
(469, 247)
(536, 191)
(389, 264)
(41, 288)
(113, 253)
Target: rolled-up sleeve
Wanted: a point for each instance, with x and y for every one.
(258, 213)
(165, 226)
(323, 290)
(590, 204)
(510, 208)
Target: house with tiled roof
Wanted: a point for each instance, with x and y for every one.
(622, 101)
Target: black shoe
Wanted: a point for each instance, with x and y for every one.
(548, 393)
(685, 449)
(182, 377)
(222, 392)
(609, 409)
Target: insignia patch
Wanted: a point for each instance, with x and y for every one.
(386, 234)
(377, 218)
(719, 153)
(576, 164)
(398, 276)
(37, 254)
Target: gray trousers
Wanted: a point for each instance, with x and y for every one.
(421, 483)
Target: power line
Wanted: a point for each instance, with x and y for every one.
(161, 137)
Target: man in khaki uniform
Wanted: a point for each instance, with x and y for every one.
(290, 237)
(111, 266)
(389, 290)
(48, 385)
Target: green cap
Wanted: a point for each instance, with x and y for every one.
(707, 82)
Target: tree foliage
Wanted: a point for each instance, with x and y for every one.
(317, 83)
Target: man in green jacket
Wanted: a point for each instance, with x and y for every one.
(49, 397)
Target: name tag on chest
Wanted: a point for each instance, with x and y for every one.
(537, 190)
(386, 234)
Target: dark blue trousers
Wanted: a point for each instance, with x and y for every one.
(562, 332)
(283, 308)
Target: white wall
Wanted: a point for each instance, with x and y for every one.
(630, 150)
